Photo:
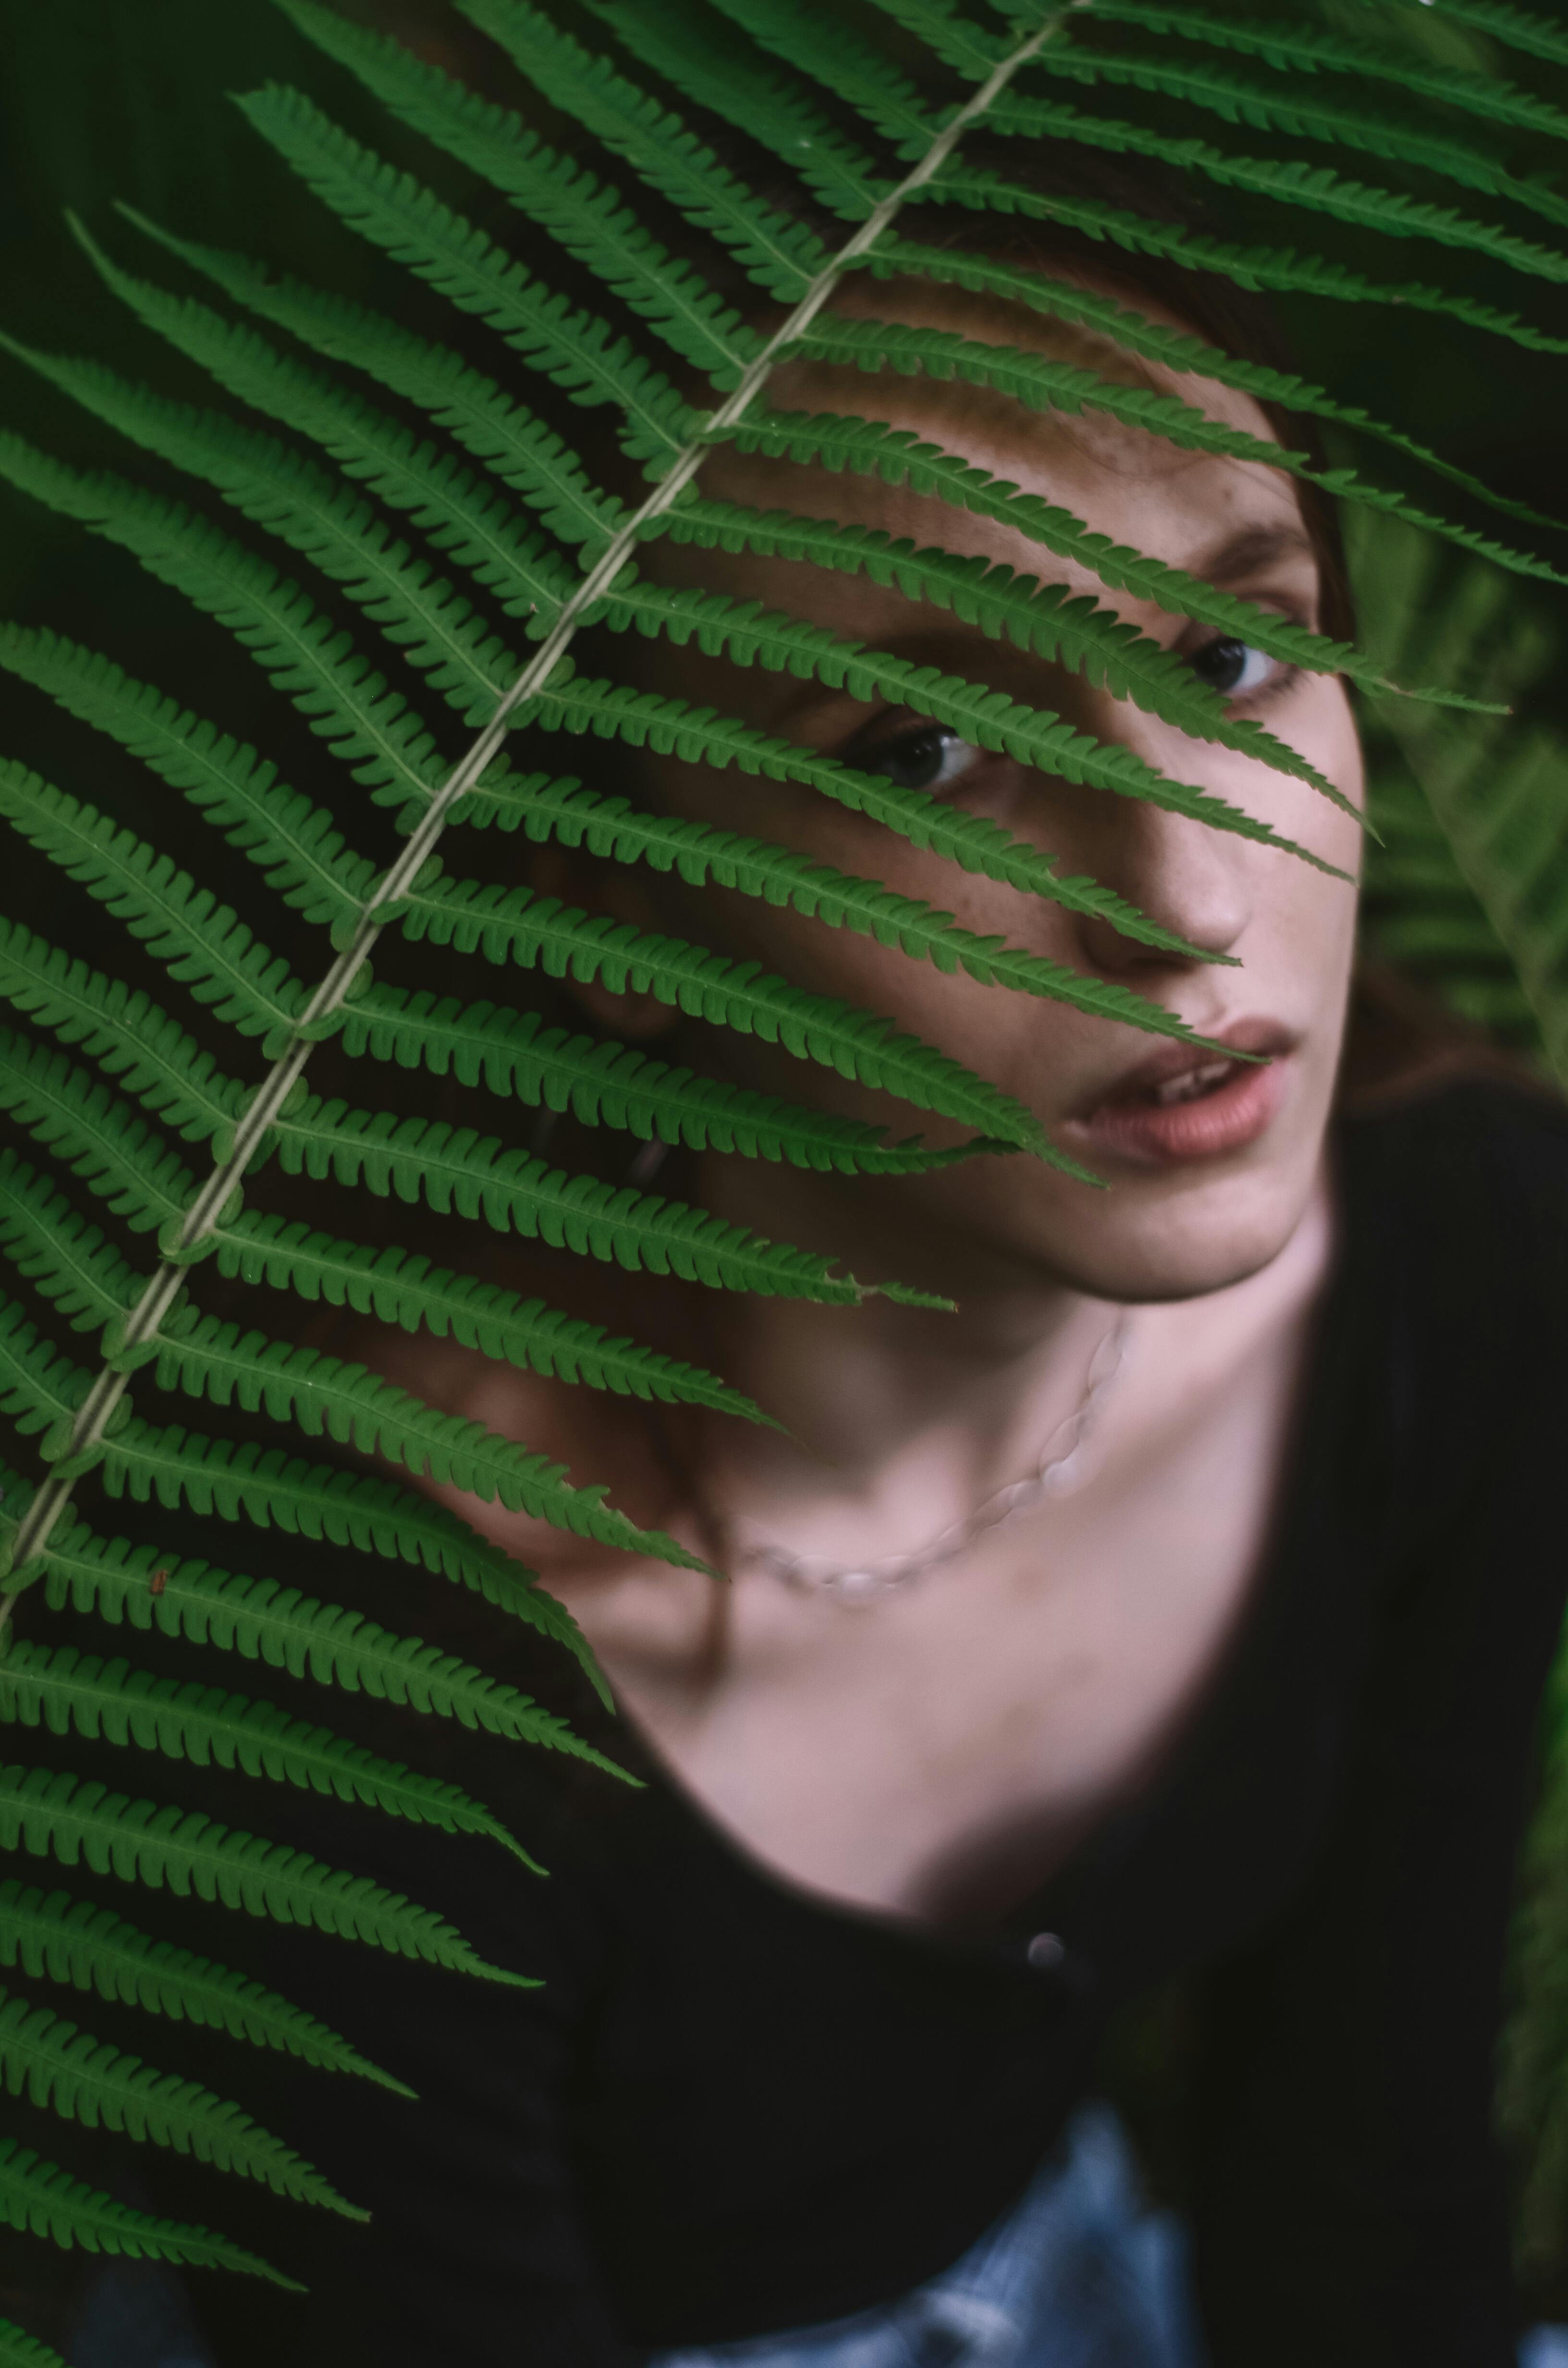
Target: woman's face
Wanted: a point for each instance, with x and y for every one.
(1210, 1167)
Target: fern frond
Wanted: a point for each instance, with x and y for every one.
(314, 514)
(516, 924)
(364, 724)
(563, 810)
(1040, 383)
(263, 1620)
(589, 218)
(751, 634)
(474, 522)
(38, 1389)
(57, 2067)
(747, 998)
(543, 809)
(1285, 270)
(1043, 618)
(39, 2199)
(1315, 189)
(48, 1936)
(70, 1692)
(816, 39)
(205, 944)
(240, 1480)
(593, 362)
(606, 1084)
(453, 1169)
(900, 457)
(1294, 109)
(100, 1137)
(402, 1287)
(521, 452)
(781, 254)
(66, 1258)
(297, 846)
(1294, 46)
(79, 1823)
(678, 42)
(20, 2350)
(895, 258)
(1534, 34)
(316, 1393)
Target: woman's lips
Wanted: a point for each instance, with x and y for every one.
(1181, 1105)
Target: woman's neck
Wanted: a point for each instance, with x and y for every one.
(898, 1420)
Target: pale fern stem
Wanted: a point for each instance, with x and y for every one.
(163, 1285)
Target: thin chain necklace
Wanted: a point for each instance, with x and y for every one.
(1059, 1472)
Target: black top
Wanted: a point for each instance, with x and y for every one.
(736, 2108)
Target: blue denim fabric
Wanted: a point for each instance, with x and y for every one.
(1080, 2274)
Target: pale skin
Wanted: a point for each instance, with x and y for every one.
(934, 1755)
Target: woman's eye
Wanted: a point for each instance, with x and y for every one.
(1234, 668)
(930, 758)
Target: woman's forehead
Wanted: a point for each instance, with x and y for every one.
(1168, 502)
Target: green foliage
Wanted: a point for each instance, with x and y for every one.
(39, 2198)
(51, 2062)
(386, 507)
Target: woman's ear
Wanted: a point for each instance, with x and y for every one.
(617, 891)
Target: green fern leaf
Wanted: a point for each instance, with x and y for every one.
(120, 1157)
(1297, 48)
(516, 924)
(261, 1620)
(67, 1258)
(543, 808)
(402, 1287)
(39, 2199)
(678, 43)
(1040, 383)
(1283, 269)
(751, 634)
(474, 523)
(212, 1359)
(51, 1937)
(77, 1823)
(41, 1391)
(747, 998)
(781, 254)
(899, 457)
(1534, 34)
(606, 1084)
(1043, 618)
(305, 507)
(1297, 112)
(206, 945)
(524, 454)
(297, 846)
(563, 810)
(56, 2066)
(240, 1480)
(70, 1692)
(591, 220)
(895, 258)
(454, 1169)
(814, 37)
(19, 2349)
(1313, 188)
(582, 354)
(364, 724)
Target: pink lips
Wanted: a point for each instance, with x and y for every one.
(1182, 1105)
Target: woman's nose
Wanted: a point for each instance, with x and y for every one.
(1187, 877)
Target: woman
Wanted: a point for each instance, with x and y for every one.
(949, 1770)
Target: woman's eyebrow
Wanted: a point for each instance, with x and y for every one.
(1250, 549)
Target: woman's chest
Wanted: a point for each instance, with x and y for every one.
(936, 1750)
